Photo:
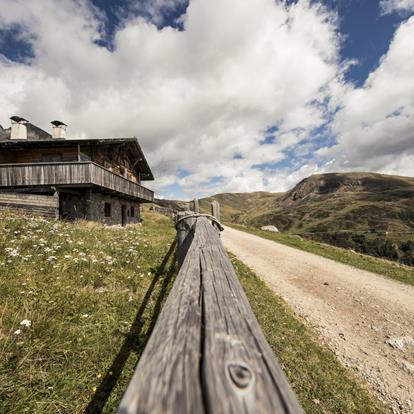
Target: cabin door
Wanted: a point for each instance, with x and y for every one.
(123, 214)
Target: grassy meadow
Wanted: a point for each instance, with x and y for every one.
(79, 301)
(77, 304)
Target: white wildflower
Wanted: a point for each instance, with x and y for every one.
(17, 331)
(12, 252)
(26, 323)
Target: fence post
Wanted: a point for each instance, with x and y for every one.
(215, 210)
(56, 198)
(196, 206)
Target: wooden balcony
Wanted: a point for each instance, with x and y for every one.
(70, 174)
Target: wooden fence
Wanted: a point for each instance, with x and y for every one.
(41, 205)
(207, 353)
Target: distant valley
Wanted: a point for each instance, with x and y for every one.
(367, 212)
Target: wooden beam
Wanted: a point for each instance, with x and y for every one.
(167, 377)
(207, 353)
(184, 234)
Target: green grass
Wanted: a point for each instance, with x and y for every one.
(382, 267)
(320, 382)
(92, 295)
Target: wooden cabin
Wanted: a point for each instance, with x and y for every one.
(92, 179)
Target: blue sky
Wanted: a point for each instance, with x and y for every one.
(367, 34)
(223, 97)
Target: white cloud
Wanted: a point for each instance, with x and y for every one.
(195, 98)
(396, 6)
(375, 126)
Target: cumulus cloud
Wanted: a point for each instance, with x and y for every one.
(396, 6)
(375, 125)
(200, 99)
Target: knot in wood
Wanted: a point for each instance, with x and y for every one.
(241, 375)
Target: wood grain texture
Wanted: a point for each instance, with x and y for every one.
(41, 205)
(239, 368)
(185, 234)
(207, 353)
(166, 378)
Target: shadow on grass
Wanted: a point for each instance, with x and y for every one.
(135, 340)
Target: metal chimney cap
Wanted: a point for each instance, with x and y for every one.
(58, 123)
(18, 119)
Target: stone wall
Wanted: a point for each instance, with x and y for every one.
(72, 206)
(91, 206)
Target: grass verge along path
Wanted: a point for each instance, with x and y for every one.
(383, 267)
(78, 302)
(319, 380)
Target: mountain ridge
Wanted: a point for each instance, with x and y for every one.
(368, 212)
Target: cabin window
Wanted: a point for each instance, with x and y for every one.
(132, 212)
(107, 209)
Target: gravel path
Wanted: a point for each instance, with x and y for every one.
(367, 320)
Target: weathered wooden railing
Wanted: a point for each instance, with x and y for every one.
(70, 173)
(207, 353)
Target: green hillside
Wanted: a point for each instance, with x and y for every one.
(368, 212)
(242, 207)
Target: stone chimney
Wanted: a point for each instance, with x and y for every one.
(59, 129)
(18, 128)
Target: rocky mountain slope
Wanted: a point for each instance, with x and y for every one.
(368, 212)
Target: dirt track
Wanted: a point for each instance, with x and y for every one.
(367, 320)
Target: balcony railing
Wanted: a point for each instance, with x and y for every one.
(70, 173)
